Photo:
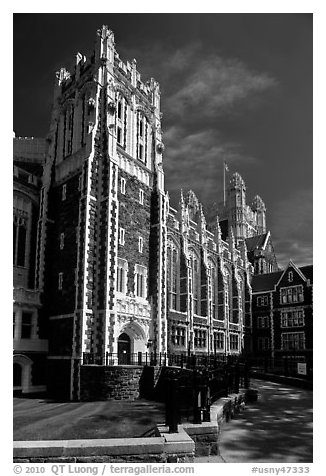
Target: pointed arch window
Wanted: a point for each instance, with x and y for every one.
(195, 275)
(228, 293)
(213, 274)
(173, 277)
(121, 121)
(19, 235)
(142, 132)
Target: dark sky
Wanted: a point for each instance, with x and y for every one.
(235, 87)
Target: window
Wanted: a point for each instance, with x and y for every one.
(19, 237)
(200, 338)
(122, 272)
(262, 343)
(290, 276)
(234, 342)
(140, 152)
(213, 289)
(195, 283)
(262, 301)
(119, 135)
(60, 281)
(293, 340)
(140, 244)
(172, 277)
(141, 197)
(262, 321)
(178, 335)
(64, 192)
(121, 121)
(291, 294)
(27, 324)
(218, 341)
(62, 241)
(292, 318)
(141, 137)
(14, 323)
(123, 185)
(140, 281)
(121, 236)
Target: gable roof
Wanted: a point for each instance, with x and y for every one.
(265, 282)
(307, 271)
(256, 241)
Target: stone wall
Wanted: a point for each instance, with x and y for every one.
(110, 382)
(177, 448)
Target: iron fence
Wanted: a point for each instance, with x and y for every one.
(161, 359)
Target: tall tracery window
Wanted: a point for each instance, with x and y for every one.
(213, 288)
(195, 275)
(228, 292)
(140, 281)
(172, 276)
(142, 130)
(121, 121)
(122, 272)
(19, 236)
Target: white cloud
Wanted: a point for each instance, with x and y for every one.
(214, 86)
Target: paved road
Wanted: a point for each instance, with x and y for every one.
(276, 429)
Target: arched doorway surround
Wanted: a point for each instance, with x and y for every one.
(22, 373)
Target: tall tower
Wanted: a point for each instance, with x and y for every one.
(102, 215)
(236, 203)
(258, 206)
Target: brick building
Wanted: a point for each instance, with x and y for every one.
(29, 342)
(282, 315)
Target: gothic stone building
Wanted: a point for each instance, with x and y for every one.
(120, 271)
(247, 222)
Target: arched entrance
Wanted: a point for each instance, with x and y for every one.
(22, 373)
(124, 349)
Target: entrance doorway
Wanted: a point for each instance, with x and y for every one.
(124, 349)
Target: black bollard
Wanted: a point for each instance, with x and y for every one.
(173, 406)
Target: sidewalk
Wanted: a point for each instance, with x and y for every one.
(276, 429)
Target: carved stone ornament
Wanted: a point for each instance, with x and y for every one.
(112, 107)
(160, 148)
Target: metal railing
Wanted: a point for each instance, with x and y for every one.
(161, 359)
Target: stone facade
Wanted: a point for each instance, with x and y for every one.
(30, 344)
(247, 223)
(118, 269)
